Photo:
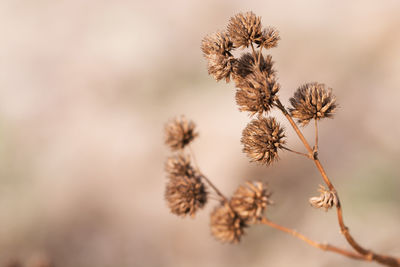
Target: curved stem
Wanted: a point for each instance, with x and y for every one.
(296, 152)
(384, 259)
(325, 247)
(224, 199)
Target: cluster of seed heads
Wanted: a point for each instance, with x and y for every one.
(186, 192)
(256, 93)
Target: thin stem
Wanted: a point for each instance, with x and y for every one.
(259, 55)
(325, 247)
(224, 199)
(384, 259)
(296, 152)
(254, 52)
(316, 136)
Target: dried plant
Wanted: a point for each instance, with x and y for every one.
(257, 93)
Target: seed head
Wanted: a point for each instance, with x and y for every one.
(261, 139)
(216, 49)
(185, 195)
(179, 133)
(251, 200)
(226, 225)
(247, 65)
(269, 38)
(179, 165)
(257, 92)
(312, 101)
(326, 200)
(245, 29)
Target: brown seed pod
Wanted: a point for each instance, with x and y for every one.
(226, 225)
(185, 195)
(216, 49)
(261, 139)
(247, 65)
(326, 200)
(179, 165)
(269, 38)
(312, 101)
(251, 200)
(179, 133)
(244, 29)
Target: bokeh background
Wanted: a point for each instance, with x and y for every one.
(85, 90)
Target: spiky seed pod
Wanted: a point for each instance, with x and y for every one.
(312, 101)
(326, 200)
(257, 92)
(217, 43)
(216, 49)
(251, 200)
(247, 65)
(226, 225)
(179, 133)
(244, 28)
(269, 38)
(261, 139)
(179, 165)
(185, 195)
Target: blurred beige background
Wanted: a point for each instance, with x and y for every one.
(85, 89)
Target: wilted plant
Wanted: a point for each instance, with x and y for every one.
(257, 93)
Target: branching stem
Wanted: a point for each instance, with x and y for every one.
(383, 259)
(325, 247)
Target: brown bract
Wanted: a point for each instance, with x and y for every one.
(312, 101)
(261, 139)
(185, 195)
(226, 225)
(179, 133)
(244, 29)
(251, 200)
(179, 165)
(326, 200)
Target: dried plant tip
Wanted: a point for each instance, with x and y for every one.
(185, 195)
(257, 92)
(312, 101)
(179, 165)
(326, 200)
(251, 200)
(261, 139)
(244, 29)
(179, 133)
(216, 49)
(226, 225)
(269, 38)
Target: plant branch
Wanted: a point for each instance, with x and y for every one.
(384, 259)
(325, 247)
(296, 152)
(222, 196)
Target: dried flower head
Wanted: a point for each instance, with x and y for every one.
(251, 200)
(257, 92)
(245, 29)
(179, 165)
(261, 139)
(216, 49)
(185, 195)
(247, 65)
(269, 38)
(179, 133)
(312, 101)
(326, 200)
(226, 225)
